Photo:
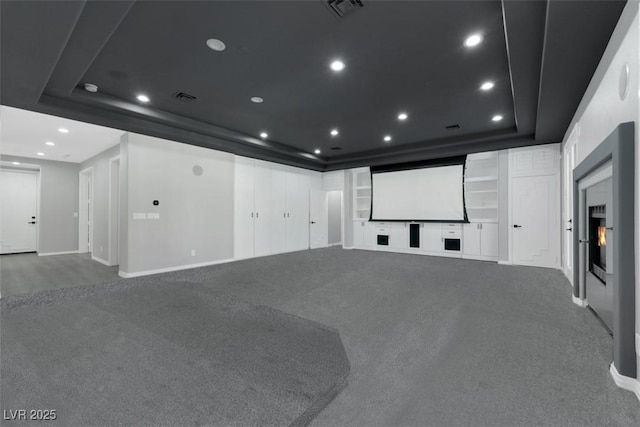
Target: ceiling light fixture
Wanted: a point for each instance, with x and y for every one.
(473, 40)
(334, 132)
(63, 130)
(496, 118)
(317, 151)
(337, 65)
(387, 138)
(257, 99)
(50, 143)
(487, 85)
(264, 135)
(217, 45)
(15, 163)
(90, 87)
(403, 116)
(40, 153)
(143, 98)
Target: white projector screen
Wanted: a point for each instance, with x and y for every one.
(427, 194)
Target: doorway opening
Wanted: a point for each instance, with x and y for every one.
(334, 209)
(85, 211)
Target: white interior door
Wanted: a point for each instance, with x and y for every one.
(536, 239)
(318, 219)
(569, 164)
(18, 204)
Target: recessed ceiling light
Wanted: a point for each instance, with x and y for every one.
(50, 143)
(317, 151)
(257, 100)
(264, 135)
(403, 116)
(40, 153)
(90, 87)
(387, 138)
(143, 98)
(337, 65)
(217, 45)
(496, 118)
(15, 163)
(473, 40)
(334, 132)
(487, 85)
(63, 130)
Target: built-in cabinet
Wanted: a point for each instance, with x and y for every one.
(271, 208)
(480, 240)
(361, 193)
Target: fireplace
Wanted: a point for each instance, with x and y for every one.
(598, 242)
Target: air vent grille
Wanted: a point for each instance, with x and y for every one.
(184, 97)
(342, 8)
(452, 127)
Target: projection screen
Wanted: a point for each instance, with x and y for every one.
(429, 191)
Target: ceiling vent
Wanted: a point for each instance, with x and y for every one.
(452, 127)
(184, 97)
(343, 8)
(336, 148)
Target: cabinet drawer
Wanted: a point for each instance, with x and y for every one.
(451, 233)
(451, 226)
(382, 230)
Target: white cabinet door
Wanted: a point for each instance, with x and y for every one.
(302, 211)
(262, 207)
(471, 239)
(489, 240)
(278, 220)
(534, 210)
(243, 208)
(358, 234)
(292, 203)
(432, 238)
(369, 239)
(399, 235)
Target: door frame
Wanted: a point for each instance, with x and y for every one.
(569, 155)
(32, 169)
(114, 213)
(84, 176)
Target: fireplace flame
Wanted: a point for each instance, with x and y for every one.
(602, 236)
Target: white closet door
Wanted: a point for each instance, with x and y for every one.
(293, 200)
(277, 218)
(489, 237)
(243, 209)
(262, 207)
(302, 220)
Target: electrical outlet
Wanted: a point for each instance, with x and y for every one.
(193, 252)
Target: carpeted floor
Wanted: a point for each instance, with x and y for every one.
(160, 353)
(437, 341)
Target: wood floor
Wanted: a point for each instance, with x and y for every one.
(29, 273)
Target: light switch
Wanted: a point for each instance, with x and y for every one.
(153, 215)
(139, 215)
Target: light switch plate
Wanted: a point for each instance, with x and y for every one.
(139, 215)
(153, 215)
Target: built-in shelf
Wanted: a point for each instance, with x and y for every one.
(481, 187)
(481, 191)
(483, 207)
(481, 178)
(361, 189)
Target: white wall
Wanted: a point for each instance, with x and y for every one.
(602, 110)
(196, 212)
(57, 226)
(100, 165)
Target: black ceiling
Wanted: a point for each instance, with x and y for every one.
(399, 55)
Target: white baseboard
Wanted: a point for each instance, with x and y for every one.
(627, 383)
(505, 263)
(480, 258)
(56, 253)
(579, 302)
(348, 247)
(169, 269)
(101, 261)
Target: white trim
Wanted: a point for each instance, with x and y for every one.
(626, 383)
(110, 219)
(57, 253)
(505, 262)
(101, 261)
(579, 301)
(176, 268)
(480, 257)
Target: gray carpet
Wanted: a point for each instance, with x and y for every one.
(438, 341)
(154, 353)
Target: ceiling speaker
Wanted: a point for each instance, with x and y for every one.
(197, 170)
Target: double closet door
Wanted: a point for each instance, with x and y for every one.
(271, 208)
